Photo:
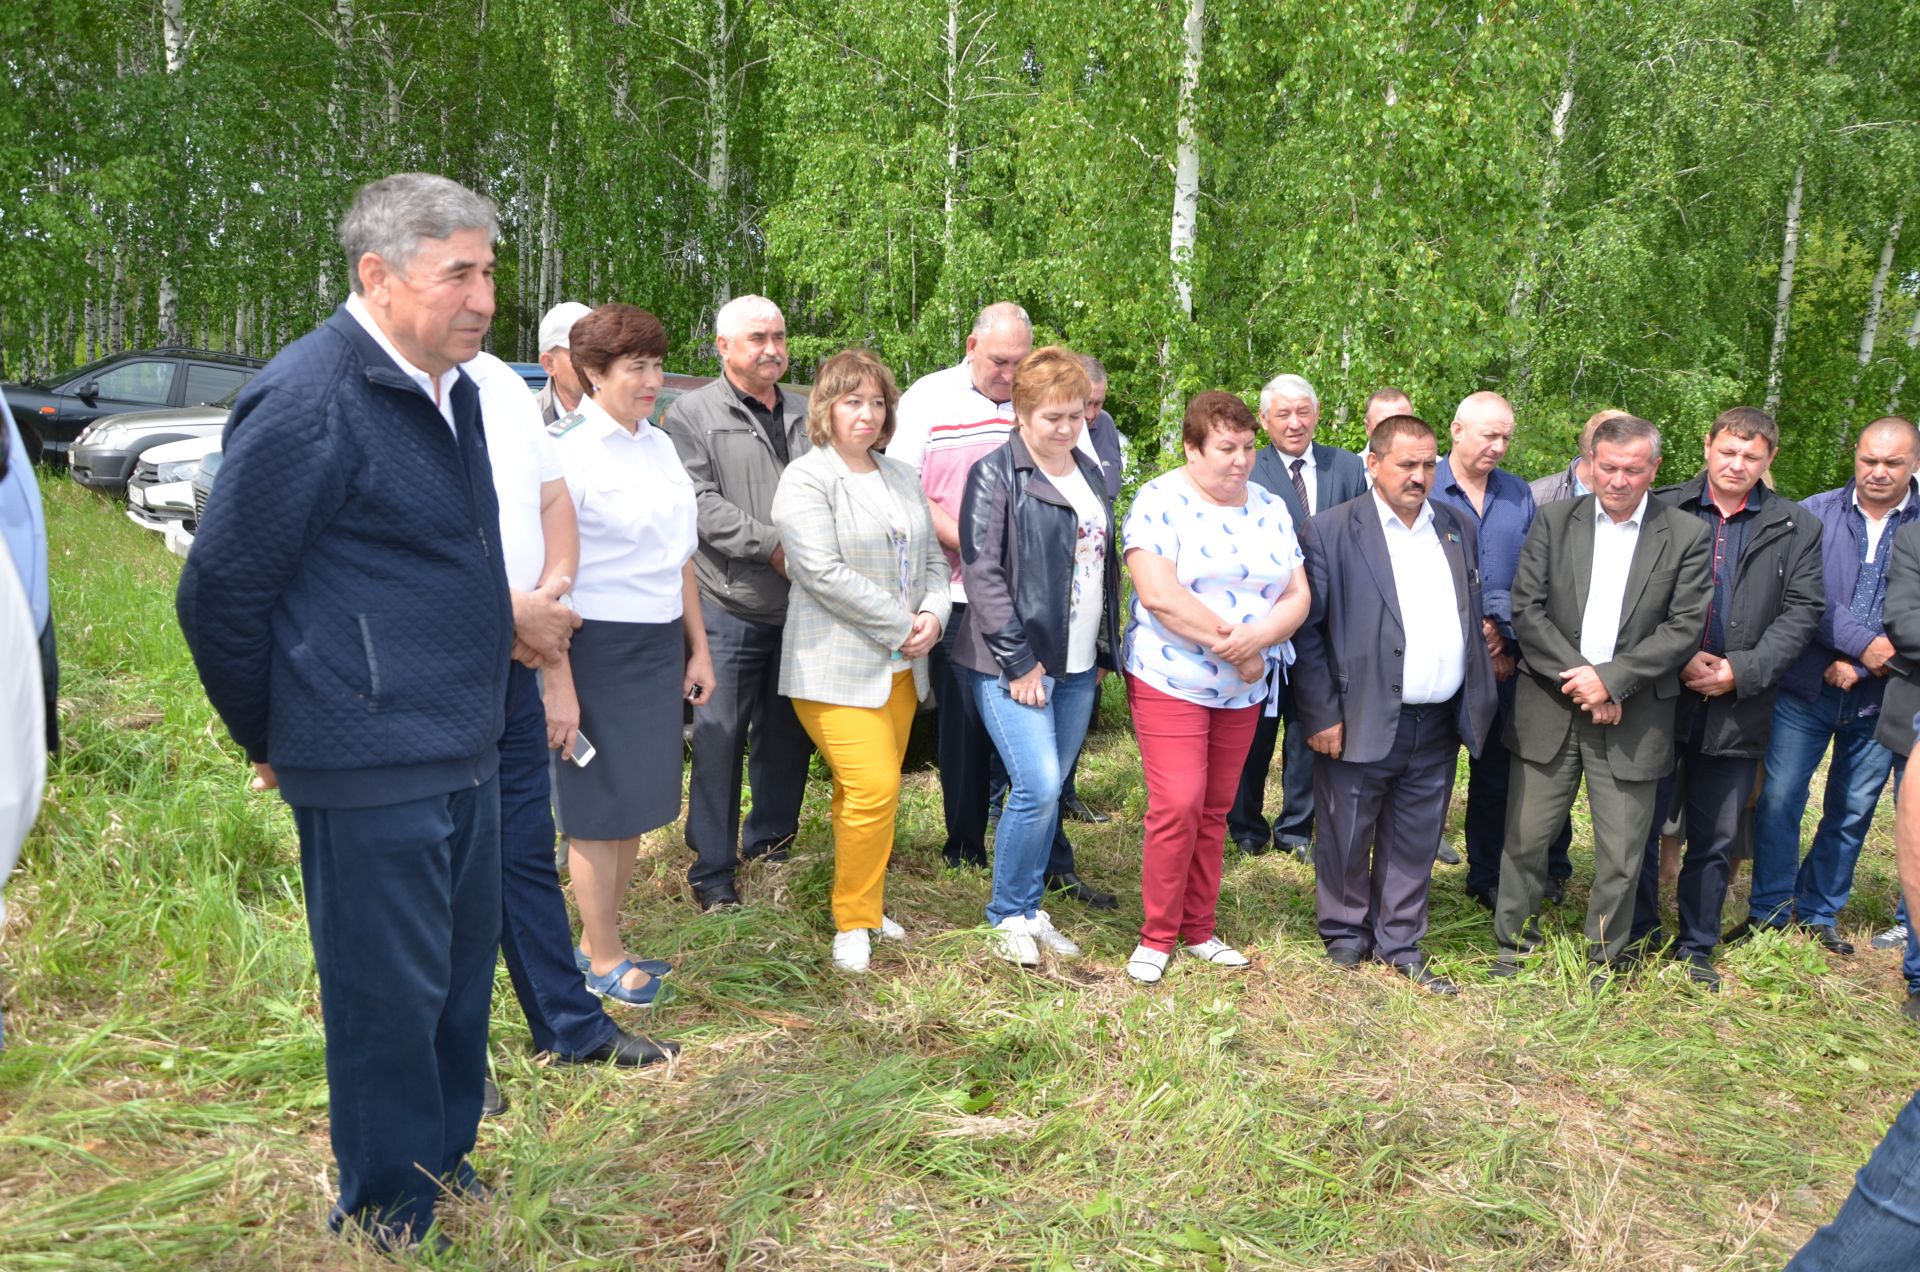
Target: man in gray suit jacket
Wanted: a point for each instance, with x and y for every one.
(1386, 690)
(1308, 477)
(1609, 602)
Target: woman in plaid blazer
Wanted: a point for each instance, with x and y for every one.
(869, 599)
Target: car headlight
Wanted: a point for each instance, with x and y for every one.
(177, 470)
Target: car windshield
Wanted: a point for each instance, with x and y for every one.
(55, 381)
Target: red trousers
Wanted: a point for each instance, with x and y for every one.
(1192, 756)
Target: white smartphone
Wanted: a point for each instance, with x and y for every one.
(583, 751)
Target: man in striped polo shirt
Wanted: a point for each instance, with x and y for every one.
(946, 421)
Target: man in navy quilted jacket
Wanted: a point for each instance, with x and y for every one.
(348, 611)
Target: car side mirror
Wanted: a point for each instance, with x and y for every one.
(90, 391)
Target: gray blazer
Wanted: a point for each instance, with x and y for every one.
(1349, 651)
(844, 616)
(1669, 585)
(735, 474)
(1901, 616)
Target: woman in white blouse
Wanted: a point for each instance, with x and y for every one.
(641, 649)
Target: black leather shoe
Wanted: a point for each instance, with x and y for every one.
(1426, 978)
(974, 856)
(1253, 847)
(1345, 956)
(1911, 1008)
(1505, 965)
(718, 895)
(1700, 971)
(1556, 891)
(1076, 888)
(1485, 900)
(624, 1051)
(1744, 929)
(1073, 808)
(1302, 852)
(773, 853)
(1447, 856)
(1828, 939)
(492, 1103)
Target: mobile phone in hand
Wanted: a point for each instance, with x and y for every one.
(583, 751)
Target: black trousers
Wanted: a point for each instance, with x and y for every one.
(747, 716)
(964, 749)
(403, 905)
(1716, 788)
(1380, 826)
(1247, 819)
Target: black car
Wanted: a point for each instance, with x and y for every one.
(52, 412)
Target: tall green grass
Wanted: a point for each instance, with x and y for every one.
(162, 1100)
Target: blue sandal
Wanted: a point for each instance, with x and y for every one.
(651, 966)
(609, 986)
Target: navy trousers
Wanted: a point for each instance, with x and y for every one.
(403, 905)
(746, 716)
(535, 933)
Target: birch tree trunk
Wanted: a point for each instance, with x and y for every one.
(1185, 221)
(1525, 286)
(950, 124)
(1783, 296)
(1913, 342)
(174, 36)
(1870, 328)
(719, 158)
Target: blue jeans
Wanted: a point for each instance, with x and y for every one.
(1855, 779)
(1038, 745)
(1878, 1226)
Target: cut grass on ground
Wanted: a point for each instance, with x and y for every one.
(163, 1099)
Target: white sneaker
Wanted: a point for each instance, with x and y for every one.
(1893, 938)
(889, 930)
(1013, 941)
(1041, 928)
(1218, 952)
(1145, 965)
(852, 950)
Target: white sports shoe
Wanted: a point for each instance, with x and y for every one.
(1041, 928)
(852, 950)
(1146, 965)
(1218, 952)
(1893, 938)
(1013, 941)
(889, 930)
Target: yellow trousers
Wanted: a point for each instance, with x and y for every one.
(865, 747)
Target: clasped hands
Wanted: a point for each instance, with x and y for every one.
(543, 627)
(1241, 647)
(1584, 686)
(921, 636)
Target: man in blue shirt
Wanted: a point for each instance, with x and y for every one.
(1471, 481)
(1832, 696)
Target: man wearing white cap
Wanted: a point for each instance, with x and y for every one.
(563, 390)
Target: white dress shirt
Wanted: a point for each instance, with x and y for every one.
(1435, 665)
(1307, 475)
(523, 459)
(1613, 545)
(440, 393)
(1877, 528)
(638, 523)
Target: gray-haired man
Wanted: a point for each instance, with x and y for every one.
(348, 611)
(736, 437)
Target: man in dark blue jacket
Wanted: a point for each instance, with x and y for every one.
(1832, 695)
(348, 611)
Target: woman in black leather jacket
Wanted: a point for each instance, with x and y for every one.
(1039, 555)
